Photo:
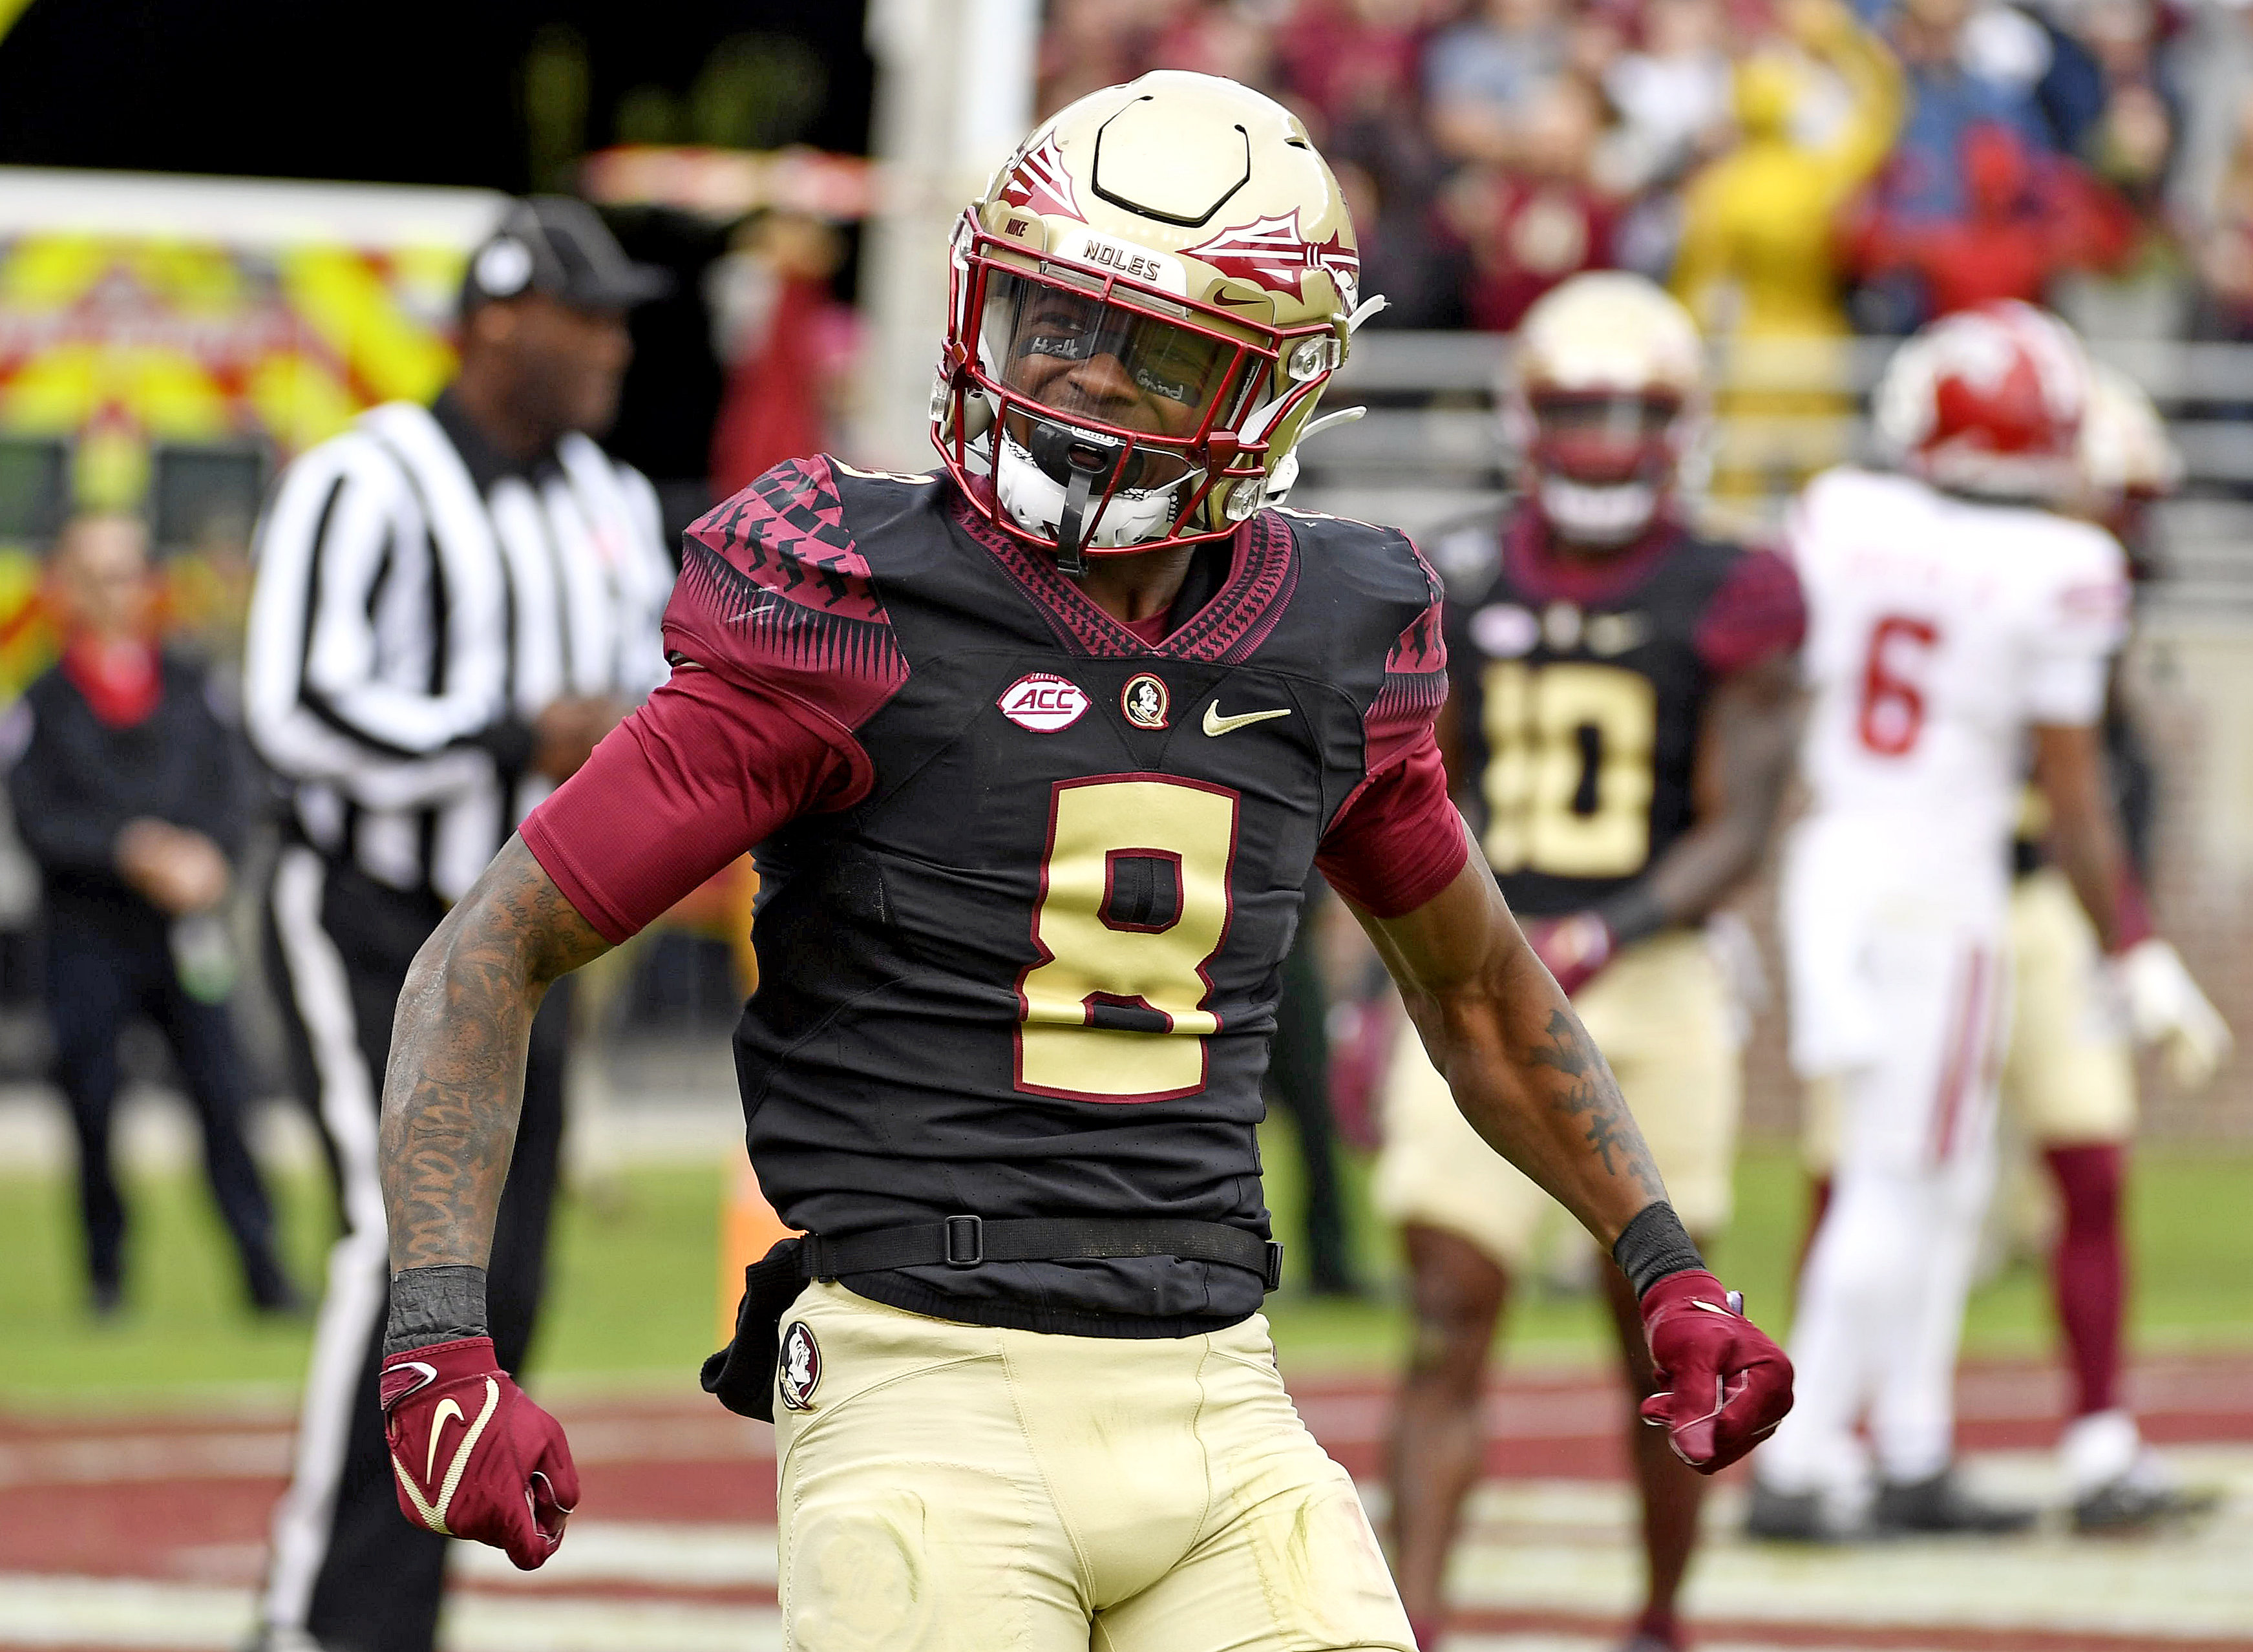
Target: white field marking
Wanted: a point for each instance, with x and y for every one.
(182, 1618)
(600, 1552)
(243, 1455)
(1563, 1546)
(110, 1612)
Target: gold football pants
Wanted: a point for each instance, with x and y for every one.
(963, 1487)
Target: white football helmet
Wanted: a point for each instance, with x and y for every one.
(1147, 303)
(1988, 402)
(1605, 402)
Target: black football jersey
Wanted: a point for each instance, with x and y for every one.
(1033, 971)
(1576, 716)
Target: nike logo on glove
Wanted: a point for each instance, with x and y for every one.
(438, 1427)
(433, 1509)
(1216, 724)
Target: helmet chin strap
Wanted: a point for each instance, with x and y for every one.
(1089, 461)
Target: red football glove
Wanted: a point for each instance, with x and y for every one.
(1574, 947)
(472, 1456)
(1728, 1385)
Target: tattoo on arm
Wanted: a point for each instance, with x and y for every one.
(1588, 1089)
(456, 1078)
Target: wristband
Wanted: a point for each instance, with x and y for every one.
(444, 1304)
(1653, 1246)
(1631, 915)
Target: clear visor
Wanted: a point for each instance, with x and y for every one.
(1101, 367)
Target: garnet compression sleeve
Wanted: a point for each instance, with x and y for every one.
(1398, 841)
(702, 772)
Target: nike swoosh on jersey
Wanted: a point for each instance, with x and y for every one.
(1216, 724)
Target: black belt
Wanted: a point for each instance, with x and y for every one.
(967, 1241)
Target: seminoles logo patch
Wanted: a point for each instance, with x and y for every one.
(1144, 700)
(1044, 702)
(798, 1371)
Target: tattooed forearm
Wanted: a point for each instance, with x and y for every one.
(1588, 1088)
(455, 1078)
(1523, 1069)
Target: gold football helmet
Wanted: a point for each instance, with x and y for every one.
(1605, 401)
(2124, 445)
(1147, 303)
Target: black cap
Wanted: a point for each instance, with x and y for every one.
(555, 244)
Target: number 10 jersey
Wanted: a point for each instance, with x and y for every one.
(1579, 692)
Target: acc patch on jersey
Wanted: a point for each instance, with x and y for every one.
(798, 1371)
(1044, 702)
(1144, 700)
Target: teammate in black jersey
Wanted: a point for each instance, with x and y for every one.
(1621, 726)
(1037, 753)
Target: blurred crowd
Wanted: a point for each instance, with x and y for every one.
(1791, 168)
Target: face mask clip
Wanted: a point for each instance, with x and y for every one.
(1089, 462)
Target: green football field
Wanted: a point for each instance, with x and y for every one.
(633, 1301)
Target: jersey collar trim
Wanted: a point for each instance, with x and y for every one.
(1543, 575)
(1263, 573)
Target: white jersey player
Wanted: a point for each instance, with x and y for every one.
(1952, 620)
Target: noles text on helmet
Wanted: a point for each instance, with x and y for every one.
(1146, 301)
(1604, 402)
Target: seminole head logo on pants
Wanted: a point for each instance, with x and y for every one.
(800, 1368)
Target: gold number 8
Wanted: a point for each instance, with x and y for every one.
(1103, 959)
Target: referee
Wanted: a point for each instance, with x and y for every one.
(452, 604)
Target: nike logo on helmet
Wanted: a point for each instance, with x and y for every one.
(1216, 724)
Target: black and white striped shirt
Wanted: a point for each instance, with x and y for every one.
(418, 600)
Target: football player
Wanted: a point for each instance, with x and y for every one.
(1623, 710)
(1037, 752)
(2068, 1072)
(1957, 615)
